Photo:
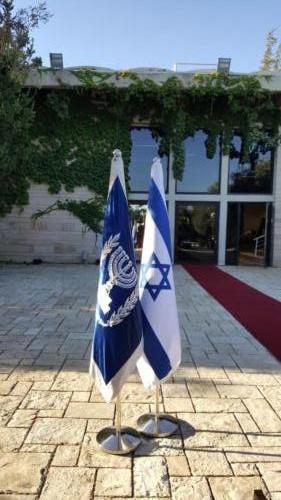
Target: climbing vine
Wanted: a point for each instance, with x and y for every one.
(75, 130)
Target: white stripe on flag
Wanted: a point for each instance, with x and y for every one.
(157, 290)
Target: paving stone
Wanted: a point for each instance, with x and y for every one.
(46, 400)
(224, 422)
(90, 410)
(136, 393)
(208, 463)
(8, 404)
(77, 382)
(114, 484)
(92, 456)
(265, 439)
(50, 413)
(252, 379)
(188, 371)
(178, 405)
(263, 415)
(68, 483)
(174, 390)
(23, 418)
(215, 439)
(50, 359)
(57, 431)
(202, 389)
(17, 497)
(38, 448)
(257, 454)
(211, 372)
(271, 474)
(96, 396)
(218, 405)
(151, 477)
(80, 396)
(41, 386)
(160, 447)
(178, 466)
(24, 374)
(8, 364)
(247, 469)
(74, 346)
(235, 488)
(11, 439)
(6, 387)
(95, 425)
(238, 391)
(132, 411)
(246, 422)
(21, 388)
(271, 393)
(195, 488)
(22, 472)
(66, 455)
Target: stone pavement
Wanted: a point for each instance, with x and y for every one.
(226, 396)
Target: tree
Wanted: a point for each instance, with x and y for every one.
(16, 43)
(271, 60)
(16, 103)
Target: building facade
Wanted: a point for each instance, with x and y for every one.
(221, 212)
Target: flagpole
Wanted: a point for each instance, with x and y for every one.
(157, 407)
(118, 440)
(157, 424)
(115, 350)
(161, 332)
(118, 420)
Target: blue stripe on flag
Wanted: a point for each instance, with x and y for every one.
(158, 210)
(154, 351)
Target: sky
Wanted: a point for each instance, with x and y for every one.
(123, 34)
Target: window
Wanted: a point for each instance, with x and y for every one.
(201, 175)
(254, 176)
(144, 149)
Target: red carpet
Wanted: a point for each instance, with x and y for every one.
(258, 313)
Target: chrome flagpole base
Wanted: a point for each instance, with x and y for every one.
(117, 442)
(157, 425)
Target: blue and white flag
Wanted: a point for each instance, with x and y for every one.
(117, 338)
(161, 333)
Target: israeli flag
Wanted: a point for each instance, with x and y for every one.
(161, 333)
(117, 337)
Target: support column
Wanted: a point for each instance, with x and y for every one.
(276, 253)
(223, 210)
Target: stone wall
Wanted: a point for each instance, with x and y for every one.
(58, 237)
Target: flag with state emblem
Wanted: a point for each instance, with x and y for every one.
(117, 337)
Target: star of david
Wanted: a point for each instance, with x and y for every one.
(155, 289)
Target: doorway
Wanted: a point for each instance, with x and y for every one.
(248, 234)
(196, 232)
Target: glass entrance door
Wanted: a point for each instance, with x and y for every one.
(248, 234)
(196, 232)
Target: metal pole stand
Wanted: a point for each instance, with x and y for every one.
(118, 440)
(157, 424)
